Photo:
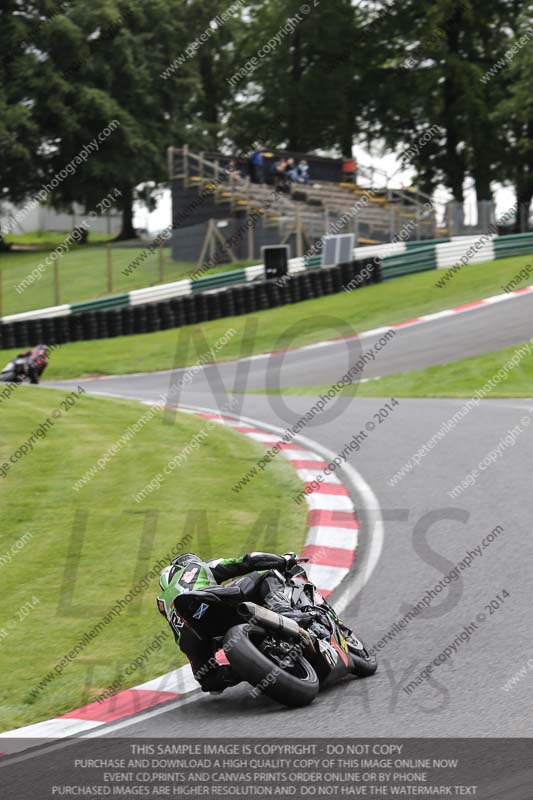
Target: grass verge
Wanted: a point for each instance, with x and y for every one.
(458, 379)
(46, 240)
(83, 274)
(67, 557)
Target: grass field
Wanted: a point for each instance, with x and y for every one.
(83, 274)
(457, 379)
(48, 239)
(97, 543)
(288, 326)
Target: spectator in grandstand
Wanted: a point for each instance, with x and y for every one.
(298, 174)
(278, 173)
(303, 172)
(233, 173)
(256, 165)
(291, 170)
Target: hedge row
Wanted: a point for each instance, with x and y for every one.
(190, 309)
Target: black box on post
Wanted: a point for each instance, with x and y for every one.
(276, 260)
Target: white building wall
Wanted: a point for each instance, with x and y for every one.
(44, 218)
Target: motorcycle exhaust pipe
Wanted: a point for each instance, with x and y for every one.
(269, 619)
(273, 621)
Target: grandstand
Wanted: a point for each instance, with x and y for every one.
(209, 210)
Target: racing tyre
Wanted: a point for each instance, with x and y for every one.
(253, 654)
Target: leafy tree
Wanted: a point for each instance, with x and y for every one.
(306, 88)
(213, 26)
(19, 133)
(514, 116)
(101, 66)
(435, 78)
(302, 76)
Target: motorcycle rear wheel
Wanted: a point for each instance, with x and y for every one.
(293, 684)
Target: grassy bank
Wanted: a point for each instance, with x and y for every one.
(68, 556)
(458, 379)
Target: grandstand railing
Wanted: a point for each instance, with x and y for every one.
(373, 214)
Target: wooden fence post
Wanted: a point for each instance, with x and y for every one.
(109, 268)
(185, 165)
(161, 263)
(56, 280)
(250, 238)
(299, 234)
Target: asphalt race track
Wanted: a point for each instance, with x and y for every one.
(426, 535)
(474, 332)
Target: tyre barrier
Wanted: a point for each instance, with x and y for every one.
(178, 311)
(62, 330)
(49, 331)
(294, 290)
(167, 316)
(190, 309)
(75, 330)
(139, 319)
(272, 293)
(21, 334)
(153, 320)
(314, 279)
(200, 303)
(102, 326)
(261, 297)
(114, 325)
(249, 298)
(214, 310)
(126, 321)
(227, 303)
(326, 283)
(238, 296)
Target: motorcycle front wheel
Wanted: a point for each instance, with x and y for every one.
(364, 664)
(271, 664)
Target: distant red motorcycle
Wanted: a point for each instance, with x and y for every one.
(27, 367)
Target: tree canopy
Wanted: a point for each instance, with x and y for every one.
(304, 76)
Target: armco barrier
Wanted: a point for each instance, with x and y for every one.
(410, 262)
(444, 254)
(115, 301)
(189, 309)
(507, 246)
(188, 298)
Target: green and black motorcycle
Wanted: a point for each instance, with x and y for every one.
(286, 662)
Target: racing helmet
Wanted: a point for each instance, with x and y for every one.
(171, 576)
(185, 559)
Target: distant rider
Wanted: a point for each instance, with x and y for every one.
(36, 361)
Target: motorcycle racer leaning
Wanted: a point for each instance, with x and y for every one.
(36, 361)
(189, 573)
